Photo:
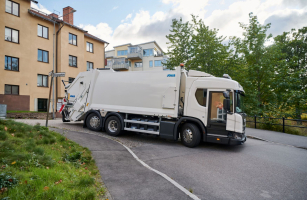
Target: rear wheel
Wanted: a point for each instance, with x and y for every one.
(93, 122)
(190, 135)
(113, 126)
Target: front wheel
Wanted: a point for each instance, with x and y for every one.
(190, 135)
(113, 126)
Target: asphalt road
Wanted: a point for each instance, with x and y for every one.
(254, 170)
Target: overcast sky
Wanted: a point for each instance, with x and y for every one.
(131, 21)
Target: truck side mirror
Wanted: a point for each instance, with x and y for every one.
(226, 94)
(226, 104)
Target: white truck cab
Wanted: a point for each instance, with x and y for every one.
(192, 105)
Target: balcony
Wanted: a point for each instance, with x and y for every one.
(135, 53)
(118, 63)
(159, 54)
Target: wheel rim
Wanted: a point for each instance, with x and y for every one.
(187, 135)
(112, 126)
(95, 122)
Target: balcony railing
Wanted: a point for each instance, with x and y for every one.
(159, 54)
(118, 63)
(135, 52)
(121, 66)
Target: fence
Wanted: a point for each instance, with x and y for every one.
(283, 124)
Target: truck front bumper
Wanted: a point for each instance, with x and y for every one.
(226, 140)
(237, 141)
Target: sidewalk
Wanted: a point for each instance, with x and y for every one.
(278, 137)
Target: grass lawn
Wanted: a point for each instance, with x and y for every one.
(36, 163)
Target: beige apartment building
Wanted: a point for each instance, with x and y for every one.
(26, 54)
(128, 57)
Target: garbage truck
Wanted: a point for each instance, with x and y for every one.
(189, 105)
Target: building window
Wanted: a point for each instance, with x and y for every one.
(42, 80)
(148, 52)
(73, 61)
(201, 96)
(138, 64)
(158, 63)
(70, 79)
(89, 47)
(42, 56)
(150, 63)
(89, 66)
(12, 7)
(42, 31)
(42, 105)
(11, 63)
(11, 35)
(72, 39)
(11, 89)
(122, 53)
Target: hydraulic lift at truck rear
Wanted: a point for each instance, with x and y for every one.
(192, 105)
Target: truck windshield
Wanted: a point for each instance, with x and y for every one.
(239, 95)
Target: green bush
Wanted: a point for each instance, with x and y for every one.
(3, 135)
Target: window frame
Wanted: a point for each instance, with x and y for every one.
(152, 63)
(89, 47)
(11, 35)
(43, 31)
(73, 61)
(12, 8)
(73, 39)
(138, 67)
(11, 89)
(43, 81)
(206, 89)
(121, 52)
(11, 63)
(43, 56)
(71, 78)
(88, 62)
(160, 65)
(149, 54)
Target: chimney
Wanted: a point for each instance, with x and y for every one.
(54, 15)
(68, 18)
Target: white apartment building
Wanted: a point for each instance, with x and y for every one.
(128, 57)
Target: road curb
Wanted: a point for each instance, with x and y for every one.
(258, 138)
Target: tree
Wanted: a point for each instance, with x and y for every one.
(292, 83)
(257, 64)
(197, 46)
(179, 49)
(208, 51)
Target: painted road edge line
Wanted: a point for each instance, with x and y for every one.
(193, 196)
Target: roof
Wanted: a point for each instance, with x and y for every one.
(123, 45)
(151, 42)
(51, 19)
(95, 38)
(33, 1)
(139, 44)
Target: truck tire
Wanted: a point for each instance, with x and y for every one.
(93, 122)
(113, 126)
(190, 135)
(63, 118)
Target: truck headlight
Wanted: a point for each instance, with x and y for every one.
(237, 136)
